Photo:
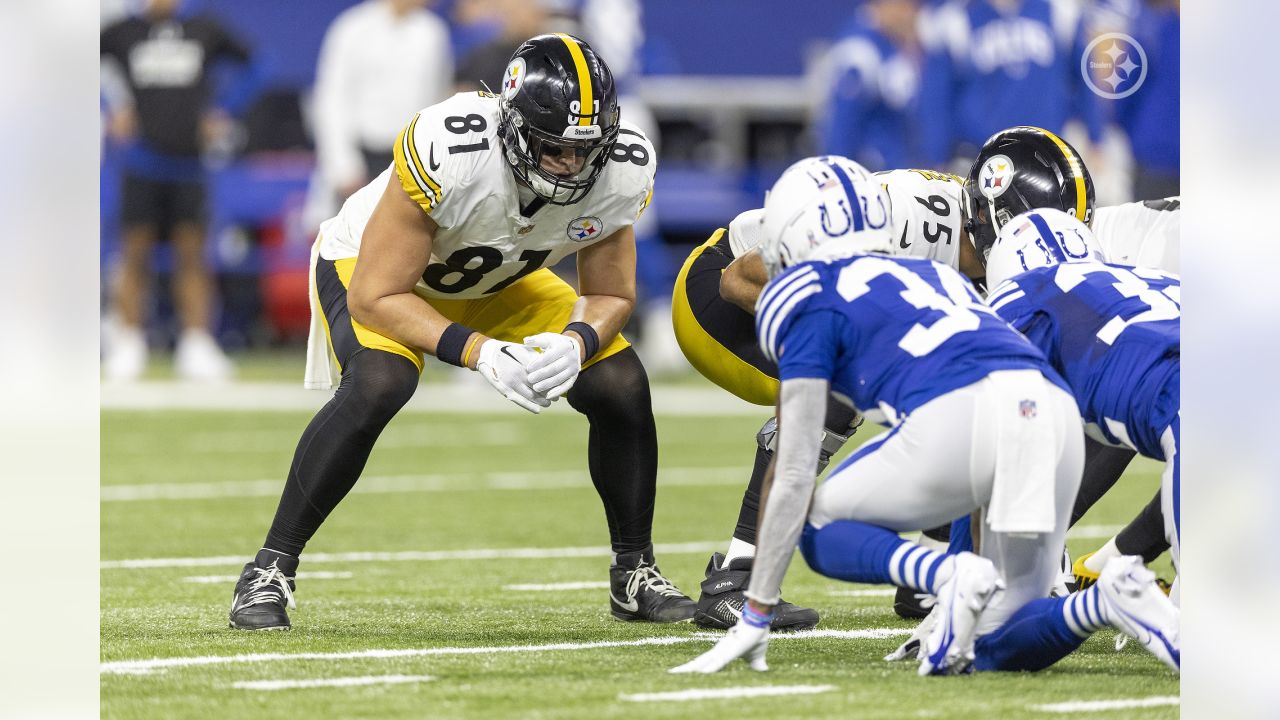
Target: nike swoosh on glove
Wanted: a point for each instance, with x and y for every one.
(505, 366)
(556, 365)
(742, 641)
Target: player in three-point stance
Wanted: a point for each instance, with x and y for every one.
(1113, 332)
(447, 253)
(978, 421)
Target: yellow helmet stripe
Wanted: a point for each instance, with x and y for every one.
(1077, 171)
(584, 79)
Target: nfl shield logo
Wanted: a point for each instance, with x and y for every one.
(1027, 408)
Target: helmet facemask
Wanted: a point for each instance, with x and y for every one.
(560, 169)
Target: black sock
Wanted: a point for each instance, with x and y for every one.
(334, 448)
(1103, 466)
(622, 446)
(1144, 535)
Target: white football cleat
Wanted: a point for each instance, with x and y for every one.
(948, 648)
(1134, 604)
(198, 358)
(126, 353)
(914, 645)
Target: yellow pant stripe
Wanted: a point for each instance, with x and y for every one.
(584, 80)
(714, 361)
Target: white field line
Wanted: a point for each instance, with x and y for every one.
(411, 556)
(329, 682)
(870, 592)
(436, 555)
(1104, 705)
(138, 667)
(727, 693)
(553, 587)
(441, 482)
(460, 397)
(219, 579)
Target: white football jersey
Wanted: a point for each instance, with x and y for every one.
(1144, 234)
(449, 160)
(926, 214)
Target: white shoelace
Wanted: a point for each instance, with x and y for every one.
(649, 576)
(260, 592)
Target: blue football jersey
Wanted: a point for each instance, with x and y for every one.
(889, 333)
(1113, 333)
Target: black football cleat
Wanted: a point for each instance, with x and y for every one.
(263, 593)
(639, 592)
(720, 604)
(912, 604)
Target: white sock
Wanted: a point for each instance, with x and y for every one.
(1098, 560)
(739, 549)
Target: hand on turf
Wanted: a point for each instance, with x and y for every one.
(556, 363)
(505, 366)
(742, 641)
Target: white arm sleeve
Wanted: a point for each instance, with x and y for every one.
(800, 425)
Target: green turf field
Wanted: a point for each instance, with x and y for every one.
(192, 493)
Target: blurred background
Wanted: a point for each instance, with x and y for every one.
(231, 129)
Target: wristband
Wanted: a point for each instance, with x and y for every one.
(590, 340)
(755, 619)
(452, 342)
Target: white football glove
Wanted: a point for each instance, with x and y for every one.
(505, 366)
(556, 363)
(742, 641)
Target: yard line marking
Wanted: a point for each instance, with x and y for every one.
(1093, 532)
(329, 682)
(1103, 705)
(589, 585)
(460, 398)
(301, 576)
(438, 482)
(871, 592)
(727, 693)
(411, 556)
(141, 667)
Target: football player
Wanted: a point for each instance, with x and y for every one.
(936, 216)
(447, 253)
(1113, 333)
(978, 421)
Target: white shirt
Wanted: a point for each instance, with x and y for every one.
(1143, 234)
(449, 160)
(375, 69)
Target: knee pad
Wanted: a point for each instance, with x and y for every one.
(767, 437)
(617, 385)
(378, 384)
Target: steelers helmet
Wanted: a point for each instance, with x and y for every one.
(1020, 169)
(558, 116)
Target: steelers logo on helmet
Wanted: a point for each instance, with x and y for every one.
(995, 176)
(585, 228)
(513, 78)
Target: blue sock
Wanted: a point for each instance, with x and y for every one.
(961, 536)
(1040, 633)
(860, 552)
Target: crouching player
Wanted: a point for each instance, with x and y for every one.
(1114, 333)
(979, 422)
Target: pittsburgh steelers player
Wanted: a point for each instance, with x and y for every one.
(447, 253)
(937, 216)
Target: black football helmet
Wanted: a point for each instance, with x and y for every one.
(1021, 169)
(558, 116)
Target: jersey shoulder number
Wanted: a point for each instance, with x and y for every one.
(439, 150)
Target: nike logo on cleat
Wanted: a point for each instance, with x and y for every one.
(630, 605)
